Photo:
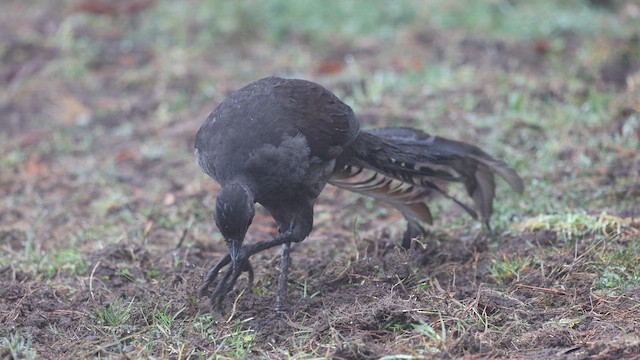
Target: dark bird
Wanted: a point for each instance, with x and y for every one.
(278, 142)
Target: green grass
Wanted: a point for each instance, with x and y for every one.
(68, 260)
(569, 226)
(618, 268)
(526, 19)
(16, 346)
(508, 269)
(237, 343)
(114, 314)
(434, 335)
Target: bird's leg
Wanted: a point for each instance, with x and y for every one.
(281, 298)
(243, 265)
(212, 274)
(228, 279)
(219, 293)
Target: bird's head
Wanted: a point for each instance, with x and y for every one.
(234, 213)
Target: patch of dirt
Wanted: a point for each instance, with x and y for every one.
(355, 298)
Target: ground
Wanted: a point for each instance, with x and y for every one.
(106, 224)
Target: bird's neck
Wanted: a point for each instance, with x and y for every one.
(239, 190)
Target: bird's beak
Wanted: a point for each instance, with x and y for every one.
(234, 251)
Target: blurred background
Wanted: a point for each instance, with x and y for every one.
(100, 101)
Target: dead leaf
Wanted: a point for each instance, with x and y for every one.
(112, 8)
(72, 111)
(33, 167)
(407, 64)
(33, 137)
(329, 67)
(147, 228)
(169, 199)
(541, 46)
(127, 154)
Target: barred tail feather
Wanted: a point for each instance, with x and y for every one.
(407, 198)
(417, 158)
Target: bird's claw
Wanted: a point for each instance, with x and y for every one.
(228, 280)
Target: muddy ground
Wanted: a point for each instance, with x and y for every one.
(106, 225)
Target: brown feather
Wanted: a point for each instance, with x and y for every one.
(408, 199)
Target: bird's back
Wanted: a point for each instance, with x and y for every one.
(272, 127)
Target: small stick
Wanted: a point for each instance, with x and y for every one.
(551, 291)
(233, 308)
(185, 231)
(93, 271)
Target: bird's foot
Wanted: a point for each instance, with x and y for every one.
(228, 280)
(281, 298)
(225, 285)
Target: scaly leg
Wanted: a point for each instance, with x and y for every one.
(231, 275)
(281, 298)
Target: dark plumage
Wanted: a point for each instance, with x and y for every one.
(278, 142)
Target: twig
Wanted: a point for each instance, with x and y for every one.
(536, 288)
(185, 231)
(93, 271)
(235, 303)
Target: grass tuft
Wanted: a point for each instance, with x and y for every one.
(573, 225)
(16, 346)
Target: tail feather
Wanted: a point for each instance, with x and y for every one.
(506, 173)
(424, 162)
(407, 198)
